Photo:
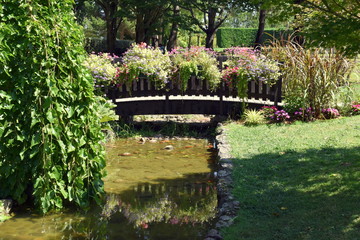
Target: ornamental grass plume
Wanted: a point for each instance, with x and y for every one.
(252, 117)
(314, 75)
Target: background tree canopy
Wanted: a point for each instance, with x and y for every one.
(328, 23)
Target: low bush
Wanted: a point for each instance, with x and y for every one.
(253, 117)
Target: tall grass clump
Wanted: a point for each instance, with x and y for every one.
(312, 77)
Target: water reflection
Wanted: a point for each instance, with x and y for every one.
(151, 194)
(173, 204)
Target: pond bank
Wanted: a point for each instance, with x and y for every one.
(227, 205)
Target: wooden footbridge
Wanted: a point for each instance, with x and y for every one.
(144, 99)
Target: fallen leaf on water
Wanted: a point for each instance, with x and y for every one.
(125, 154)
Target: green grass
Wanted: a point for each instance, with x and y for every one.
(299, 181)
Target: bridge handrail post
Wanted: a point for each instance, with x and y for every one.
(167, 95)
(278, 92)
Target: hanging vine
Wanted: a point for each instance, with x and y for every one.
(49, 132)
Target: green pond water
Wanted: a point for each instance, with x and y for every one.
(151, 193)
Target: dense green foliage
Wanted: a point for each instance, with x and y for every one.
(334, 23)
(245, 37)
(50, 133)
(298, 181)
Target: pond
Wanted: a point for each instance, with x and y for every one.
(154, 190)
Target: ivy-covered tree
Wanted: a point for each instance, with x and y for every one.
(49, 131)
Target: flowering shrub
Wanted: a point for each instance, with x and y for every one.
(101, 67)
(355, 109)
(269, 112)
(236, 77)
(330, 113)
(304, 114)
(197, 61)
(280, 116)
(146, 60)
(244, 65)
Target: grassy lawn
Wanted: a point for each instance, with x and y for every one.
(299, 181)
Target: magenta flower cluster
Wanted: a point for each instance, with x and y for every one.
(280, 116)
(231, 73)
(330, 113)
(268, 112)
(355, 109)
(304, 114)
(273, 114)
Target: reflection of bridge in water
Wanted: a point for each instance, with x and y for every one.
(171, 202)
(175, 189)
(142, 97)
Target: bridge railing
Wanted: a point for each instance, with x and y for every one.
(196, 87)
(137, 98)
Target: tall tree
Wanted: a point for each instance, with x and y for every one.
(214, 13)
(113, 17)
(147, 14)
(333, 23)
(174, 28)
(261, 28)
(327, 23)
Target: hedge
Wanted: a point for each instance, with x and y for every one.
(229, 37)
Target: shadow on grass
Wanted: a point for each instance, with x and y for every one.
(313, 194)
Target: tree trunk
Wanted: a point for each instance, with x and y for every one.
(211, 30)
(110, 35)
(174, 29)
(260, 32)
(112, 23)
(140, 29)
(209, 41)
